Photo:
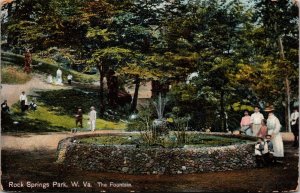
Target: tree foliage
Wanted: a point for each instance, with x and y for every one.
(243, 53)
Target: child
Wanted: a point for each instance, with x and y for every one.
(268, 153)
(259, 148)
(33, 106)
(69, 77)
(263, 131)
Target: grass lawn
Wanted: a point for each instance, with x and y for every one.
(64, 121)
(197, 140)
(46, 67)
(46, 120)
(14, 75)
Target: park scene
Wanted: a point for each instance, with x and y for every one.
(149, 95)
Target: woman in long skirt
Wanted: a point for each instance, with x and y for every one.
(274, 126)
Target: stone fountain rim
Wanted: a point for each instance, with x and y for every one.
(72, 140)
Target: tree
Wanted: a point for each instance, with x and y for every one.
(280, 27)
(108, 59)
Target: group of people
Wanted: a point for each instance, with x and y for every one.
(264, 152)
(269, 147)
(58, 79)
(266, 129)
(24, 105)
(79, 118)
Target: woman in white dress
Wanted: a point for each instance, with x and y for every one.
(50, 79)
(59, 76)
(274, 126)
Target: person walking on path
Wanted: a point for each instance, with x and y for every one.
(79, 117)
(274, 127)
(93, 117)
(69, 77)
(59, 77)
(246, 123)
(23, 101)
(27, 61)
(4, 107)
(256, 119)
(50, 79)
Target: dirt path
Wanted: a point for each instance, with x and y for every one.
(49, 141)
(11, 92)
(40, 165)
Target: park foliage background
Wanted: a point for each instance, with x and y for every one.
(245, 53)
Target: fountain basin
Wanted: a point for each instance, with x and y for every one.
(130, 159)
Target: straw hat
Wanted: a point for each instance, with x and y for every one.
(269, 108)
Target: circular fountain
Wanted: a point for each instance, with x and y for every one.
(110, 153)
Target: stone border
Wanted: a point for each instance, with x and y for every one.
(131, 160)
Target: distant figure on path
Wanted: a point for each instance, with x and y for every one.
(33, 105)
(27, 61)
(23, 101)
(69, 77)
(4, 107)
(78, 117)
(50, 79)
(274, 127)
(295, 126)
(246, 124)
(256, 119)
(263, 131)
(93, 117)
(59, 76)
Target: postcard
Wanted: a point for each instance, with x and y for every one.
(149, 95)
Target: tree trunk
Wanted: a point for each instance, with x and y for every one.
(223, 120)
(136, 93)
(101, 91)
(288, 101)
(287, 89)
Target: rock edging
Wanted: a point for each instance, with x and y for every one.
(131, 160)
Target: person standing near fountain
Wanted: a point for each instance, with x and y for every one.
(256, 119)
(274, 127)
(246, 123)
(92, 118)
(78, 116)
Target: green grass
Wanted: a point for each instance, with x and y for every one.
(45, 66)
(66, 101)
(198, 140)
(45, 120)
(44, 114)
(14, 75)
(109, 140)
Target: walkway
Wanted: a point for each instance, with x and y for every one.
(11, 92)
(33, 158)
